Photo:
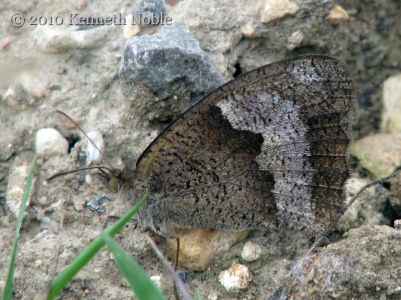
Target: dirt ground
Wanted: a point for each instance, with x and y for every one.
(78, 77)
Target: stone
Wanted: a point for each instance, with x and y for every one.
(236, 278)
(337, 15)
(93, 156)
(322, 276)
(379, 154)
(194, 255)
(156, 280)
(251, 251)
(130, 29)
(51, 39)
(391, 120)
(295, 40)
(18, 97)
(248, 31)
(161, 60)
(366, 249)
(49, 142)
(35, 82)
(276, 9)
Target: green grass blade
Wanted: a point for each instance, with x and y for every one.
(197, 295)
(89, 252)
(8, 289)
(137, 278)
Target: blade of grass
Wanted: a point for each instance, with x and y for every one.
(8, 289)
(89, 252)
(197, 295)
(137, 278)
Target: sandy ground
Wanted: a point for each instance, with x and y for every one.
(77, 77)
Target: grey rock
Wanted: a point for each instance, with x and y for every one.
(349, 268)
(366, 249)
(322, 276)
(166, 60)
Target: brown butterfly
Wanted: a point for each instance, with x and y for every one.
(267, 149)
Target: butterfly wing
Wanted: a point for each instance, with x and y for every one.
(268, 148)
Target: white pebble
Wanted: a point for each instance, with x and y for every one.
(156, 280)
(235, 278)
(52, 39)
(49, 142)
(248, 31)
(34, 82)
(93, 154)
(213, 296)
(295, 40)
(391, 121)
(276, 9)
(251, 251)
(131, 29)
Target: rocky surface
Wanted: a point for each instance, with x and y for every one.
(73, 68)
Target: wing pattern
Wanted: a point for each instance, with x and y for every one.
(269, 148)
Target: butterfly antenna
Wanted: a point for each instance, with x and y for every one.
(76, 170)
(90, 140)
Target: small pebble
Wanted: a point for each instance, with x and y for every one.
(194, 255)
(391, 121)
(156, 280)
(276, 9)
(295, 40)
(51, 39)
(248, 31)
(18, 97)
(236, 278)
(213, 296)
(49, 142)
(337, 15)
(35, 83)
(93, 154)
(131, 29)
(251, 251)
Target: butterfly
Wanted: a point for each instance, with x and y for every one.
(267, 149)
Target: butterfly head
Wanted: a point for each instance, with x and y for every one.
(116, 179)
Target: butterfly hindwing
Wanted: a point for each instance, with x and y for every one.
(268, 148)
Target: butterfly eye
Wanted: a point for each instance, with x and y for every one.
(114, 184)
